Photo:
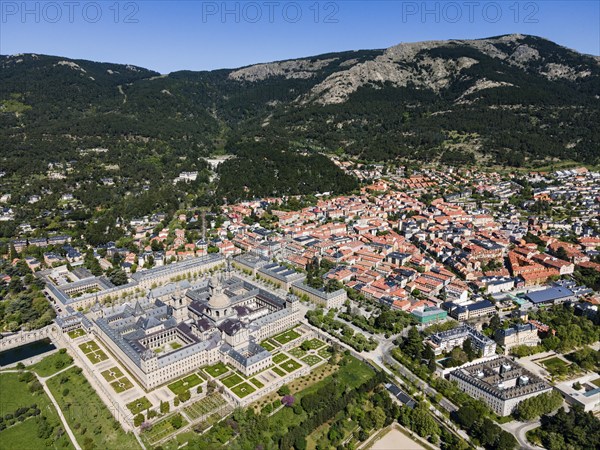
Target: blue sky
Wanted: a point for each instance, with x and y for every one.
(202, 35)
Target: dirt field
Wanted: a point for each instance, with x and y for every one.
(395, 440)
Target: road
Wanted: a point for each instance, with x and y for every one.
(519, 431)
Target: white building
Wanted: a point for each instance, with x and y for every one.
(500, 383)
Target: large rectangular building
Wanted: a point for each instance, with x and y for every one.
(447, 340)
(500, 383)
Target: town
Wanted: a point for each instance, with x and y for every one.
(473, 293)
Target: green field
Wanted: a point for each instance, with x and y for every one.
(312, 360)
(139, 405)
(76, 333)
(162, 429)
(112, 374)
(232, 380)
(242, 390)
(180, 386)
(204, 406)
(216, 370)
(278, 371)
(121, 385)
(290, 365)
(596, 382)
(257, 383)
(24, 435)
(280, 357)
(92, 423)
(267, 346)
(354, 373)
(89, 347)
(52, 363)
(286, 336)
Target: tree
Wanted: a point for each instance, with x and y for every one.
(138, 420)
(468, 349)
(379, 417)
(423, 423)
(288, 400)
(284, 390)
(177, 421)
(164, 407)
(541, 404)
(413, 344)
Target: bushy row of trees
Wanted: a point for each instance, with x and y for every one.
(539, 405)
(473, 417)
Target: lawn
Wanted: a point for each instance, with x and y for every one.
(216, 370)
(180, 386)
(162, 429)
(555, 365)
(315, 344)
(257, 383)
(204, 406)
(267, 346)
(354, 373)
(290, 365)
(23, 435)
(87, 415)
(312, 360)
(279, 358)
(278, 371)
(52, 363)
(286, 336)
(89, 347)
(596, 382)
(232, 380)
(112, 374)
(73, 334)
(139, 405)
(121, 385)
(297, 352)
(97, 357)
(242, 390)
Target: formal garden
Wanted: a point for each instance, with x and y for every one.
(93, 352)
(121, 385)
(232, 380)
(185, 384)
(287, 336)
(112, 374)
(243, 390)
(204, 406)
(290, 365)
(139, 405)
(74, 334)
(279, 358)
(216, 370)
(163, 428)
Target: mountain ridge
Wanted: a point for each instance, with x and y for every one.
(524, 98)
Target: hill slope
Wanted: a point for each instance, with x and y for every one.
(508, 99)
